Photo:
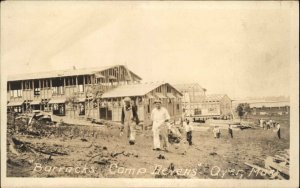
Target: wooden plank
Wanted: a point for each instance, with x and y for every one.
(281, 158)
(281, 167)
(258, 168)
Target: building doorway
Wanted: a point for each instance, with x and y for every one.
(59, 109)
(105, 113)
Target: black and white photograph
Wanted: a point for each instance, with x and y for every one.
(150, 93)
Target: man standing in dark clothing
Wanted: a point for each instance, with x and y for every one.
(230, 131)
(129, 119)
(278, 130)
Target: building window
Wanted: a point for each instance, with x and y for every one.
(58, 90)
(177, 106)
(197, 111)
(169, 90)
(70, 81)
(88, 80)
(158, 90)
(80, 88)
(46, 84)
(36, 85)
(16, 93)
(18, 109)
(148, 108)
(81, 109)
(27, 84)
(37, 91)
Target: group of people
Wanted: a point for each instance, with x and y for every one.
(267, 124)
(217, 132)
(160, 124)
(270, 124)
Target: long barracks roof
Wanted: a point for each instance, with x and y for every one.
(131, 90)
(214, 97)
(61, 73)
(269, 104)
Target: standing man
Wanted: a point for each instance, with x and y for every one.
(268, 124)
(129, 119)
(230, 131)
(160, 117)
(216, 132)
(261, 122)
(278, 130)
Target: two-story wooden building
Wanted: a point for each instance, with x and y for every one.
(73, 92)
(193, 95)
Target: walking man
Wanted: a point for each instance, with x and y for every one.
(160, 117)
(230, 131)
(188, 128)
(129, 119)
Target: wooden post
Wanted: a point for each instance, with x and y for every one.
(77, 83)
(118, 75)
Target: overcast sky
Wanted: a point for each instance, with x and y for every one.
(242, 50)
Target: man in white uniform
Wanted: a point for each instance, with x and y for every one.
(160, 117)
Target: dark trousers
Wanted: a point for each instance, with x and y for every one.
(230, 132)
(278, 134)
(189, 137)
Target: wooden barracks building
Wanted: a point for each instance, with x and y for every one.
(199, 106)
(88, 93)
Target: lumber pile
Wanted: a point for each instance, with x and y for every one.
(279, 163)
(276, 167)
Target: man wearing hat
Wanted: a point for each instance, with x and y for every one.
(160, 117)
(129, 119)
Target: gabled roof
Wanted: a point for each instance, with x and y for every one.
(63, 73)
(131, 90)
(214, 97)
(187, 86)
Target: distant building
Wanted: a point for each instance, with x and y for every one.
(217, 106)
(193, 95)
(266, 108)
(198, 105)
(270, 108)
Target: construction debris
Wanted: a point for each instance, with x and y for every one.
(275, 167)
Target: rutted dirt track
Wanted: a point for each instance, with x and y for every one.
(101, 152)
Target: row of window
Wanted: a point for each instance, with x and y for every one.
(37, 91)
(45, 83)
(158, 90)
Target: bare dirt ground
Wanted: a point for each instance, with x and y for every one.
(101, 152)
